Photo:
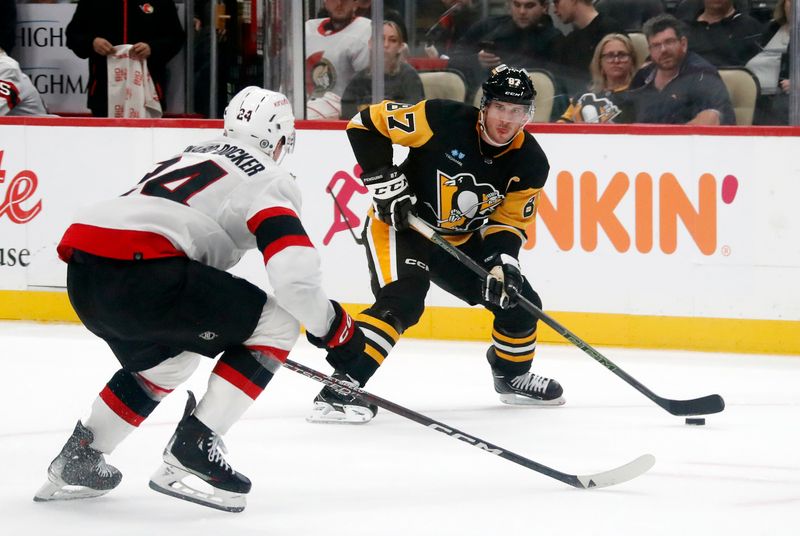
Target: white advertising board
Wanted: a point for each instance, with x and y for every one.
(692, 226)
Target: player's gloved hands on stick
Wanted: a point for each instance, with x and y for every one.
(392, 197)
(343, 336)
(504, 280)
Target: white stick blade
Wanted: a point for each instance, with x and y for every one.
(626, 472)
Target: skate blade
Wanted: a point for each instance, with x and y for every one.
(517, 400)
(59, 490)
(324, 413)
(168, 480)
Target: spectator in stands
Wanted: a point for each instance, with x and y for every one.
(525, 37)
(722, 34)
(18, 96)
(458, 17)
(678, 86)
(771, 66)
(688, 9)
(98, 25)
(630, 13)
(337, 47)
(8, 24)
(607, 101)
(401, 81)
(574, 52)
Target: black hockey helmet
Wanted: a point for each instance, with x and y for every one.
(508, 84)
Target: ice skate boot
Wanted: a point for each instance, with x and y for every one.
(337, 408)
(79, 471)
(196, 450)
(527, 389)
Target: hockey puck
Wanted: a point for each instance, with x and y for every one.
(697, 422)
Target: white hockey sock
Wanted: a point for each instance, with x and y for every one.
(222, 405)
(108, 428)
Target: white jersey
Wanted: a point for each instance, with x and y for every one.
(18, 96)
(334, 57)
(212, 203)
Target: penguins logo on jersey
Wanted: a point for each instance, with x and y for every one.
(465, 203)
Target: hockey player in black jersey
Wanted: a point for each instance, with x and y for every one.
(147, 273)
(475, 176)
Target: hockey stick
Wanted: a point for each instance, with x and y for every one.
(346, 221)
(697, 406)
(598, 480)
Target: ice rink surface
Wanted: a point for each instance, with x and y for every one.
(738, 475)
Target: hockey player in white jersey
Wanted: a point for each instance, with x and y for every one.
(337, 47)
(18, 96)
(146, 272)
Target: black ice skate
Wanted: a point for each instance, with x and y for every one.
(79, 471)
(527, 389)
(196, 450)
(336, 408)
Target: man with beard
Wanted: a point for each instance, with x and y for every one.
(678, 87)
(337, 47)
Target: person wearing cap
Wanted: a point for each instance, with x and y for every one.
(475, 176)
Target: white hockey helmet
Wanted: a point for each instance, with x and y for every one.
(262, 118)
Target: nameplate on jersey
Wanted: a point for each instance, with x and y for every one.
(249, 164)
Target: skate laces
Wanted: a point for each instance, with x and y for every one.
(530, 382)
(102, 469)
(216, 452)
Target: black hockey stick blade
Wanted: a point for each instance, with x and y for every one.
(699, 406)
(599, 480)
(705, 405)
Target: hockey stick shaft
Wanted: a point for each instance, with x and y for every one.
(698, 406)
(607, 478)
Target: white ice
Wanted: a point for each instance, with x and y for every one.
(737, 475)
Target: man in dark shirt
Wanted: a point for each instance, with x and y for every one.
(723, 35)
(678, 87)
(525, 37)
(97, 26)
(574, 52)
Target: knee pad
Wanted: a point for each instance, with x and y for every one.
(160, 380)
(401, 302)
(276, 329)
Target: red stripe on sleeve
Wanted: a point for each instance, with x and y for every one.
(235, 378)
(267, 213)
(120, 408)
(285, 242)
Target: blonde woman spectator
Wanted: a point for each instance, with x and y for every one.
(613, 66)
(771, 66)
(401, 81)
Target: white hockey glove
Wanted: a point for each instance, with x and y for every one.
(503, 282)
(392, 197)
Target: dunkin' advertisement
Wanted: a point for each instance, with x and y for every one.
(691, 226)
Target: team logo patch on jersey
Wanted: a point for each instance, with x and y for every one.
(465, 203)
(530, 207)
(208, 335)
(146, 8)
(321, 74)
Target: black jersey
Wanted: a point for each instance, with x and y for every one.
(462, 184)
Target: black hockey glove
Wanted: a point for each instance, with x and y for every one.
(343, 336)
(392, 197)
(503, 282)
